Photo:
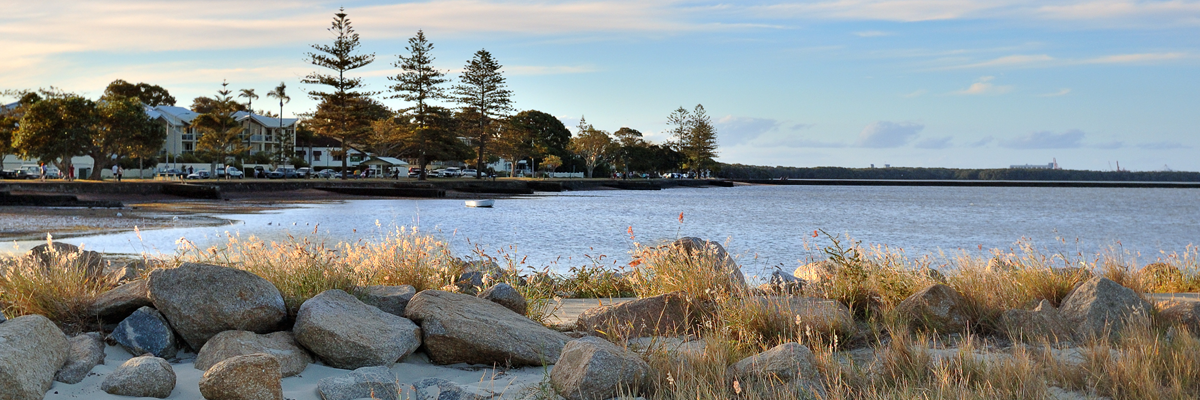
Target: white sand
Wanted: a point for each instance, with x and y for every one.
(511, 384)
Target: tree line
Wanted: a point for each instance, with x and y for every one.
(740, 171)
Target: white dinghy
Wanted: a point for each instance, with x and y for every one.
(480, 203)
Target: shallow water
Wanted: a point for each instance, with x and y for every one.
(763, 225)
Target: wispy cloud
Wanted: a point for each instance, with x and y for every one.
(983, 141)
(933, 143)
(1163, 146)
(885, 134)
(916, 93)
(1046, 140)
(735, 130)
(1135, 58)
(1019, 60)
(873, 33)
(984, 86)
(1063, 92)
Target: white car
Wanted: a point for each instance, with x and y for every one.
(452, 172)
(234, 173)
(199, 174)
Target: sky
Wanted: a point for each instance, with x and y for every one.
(920, 83)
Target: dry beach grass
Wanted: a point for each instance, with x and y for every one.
(879, 358)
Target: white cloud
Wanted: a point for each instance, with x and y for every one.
(1010, 61)
(884, 134)
(933, 143)
(1063, 92)
(873, 34)
(984, 86)
(733, 130)
(1046, 140)
(1135, 58)
(983, 141)
(916, 93)
(1163, 146)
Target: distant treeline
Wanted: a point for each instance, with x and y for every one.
(740, 171)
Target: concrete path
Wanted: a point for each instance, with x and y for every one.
(569, 309)
(1173, 297)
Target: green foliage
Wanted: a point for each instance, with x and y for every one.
(123, 131)
(695, 137)
(482, 89)
(424, 132)
(593, 145)
(536, 134)
(56, 129)
(344, 112)
(151, 95)
(220, 134)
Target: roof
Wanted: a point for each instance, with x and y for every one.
(9, 106)
(173, 115)
(385, 161)
(264, 120)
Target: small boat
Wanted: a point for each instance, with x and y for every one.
(480, 203)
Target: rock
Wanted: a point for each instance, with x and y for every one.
(203, 300)
(441, 389)
(87, 351)
(1100, 307)
(248, 377)
(1160, 274)
(146, 331)
(692, 244)
(459, 328)
(390, 299)
(92, 262)
(1043, 322)
(784, 283)
(3, 318)
(507, 296)
(821, 316)
(32, 349)
(1185, 313)
(934, 275)
(592, 368)
(292, 359)
(469, 282)
(366, 382)
(937, 308)
(145, 376)
(819, 272)
(663, 315)
(120, 302)
(789, 363)
(678, 345)
(346, 333)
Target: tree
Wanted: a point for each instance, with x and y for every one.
(10, 121)
(250, 96)
(342, 112)
(151, 95)
(482, 89)
(280, 92)
(592, 144)
(629, 140)
(55, 129)
(551, 162)
(220, 133)
(418, 82)
(545, 133)
(123, 130)
(435, 141)
(695, 137)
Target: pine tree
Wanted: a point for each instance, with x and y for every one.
(220, 134)
(342, 112)
(695, 136)
(482, 89)
(419, 83)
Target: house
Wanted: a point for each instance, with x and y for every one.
(265, 134)
(324, 152)
(177, 125)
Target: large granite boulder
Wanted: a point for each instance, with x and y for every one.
(1184, 313)
(937, 308)
(1101, 307)
(692, 245)
(120, 302)
(460, 328)
(32, 349)
(87, 351)
(281, 345)
(791, 364)
(593, 368)
(248, 377)
(827, 317)
(507, 296)
(203, 300)
(145, 376)
(663, 315)
(366, 382)
(819, 272)
(1041, 323)
(146, 331)
(390, 299)
(346, 333)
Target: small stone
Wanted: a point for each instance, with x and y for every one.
(248, 377)
(507, 296)
(145, 376)
(366, 382)
(1185, 313)
(592, 368)
(87, 351)
(819, 272)
(292, 359)
(146, 331)
(789, 363)
(390, 299)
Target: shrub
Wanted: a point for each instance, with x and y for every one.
(59, 289)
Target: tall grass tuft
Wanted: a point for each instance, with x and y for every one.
(60, 289)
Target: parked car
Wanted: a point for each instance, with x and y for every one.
(414, 172)
(304, 172)
(451, 172)
(283, 173)
(18, 174)
(467, 173)
(234, 172)
(327, 174)
(200, 174)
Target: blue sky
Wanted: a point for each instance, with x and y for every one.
(931, 83)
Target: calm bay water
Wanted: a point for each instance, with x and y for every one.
(764, 225)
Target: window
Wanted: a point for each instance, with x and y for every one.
(356, 157)
(301, 153)
(316, 155)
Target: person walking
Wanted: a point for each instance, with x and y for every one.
(42, 176)
(116, 172)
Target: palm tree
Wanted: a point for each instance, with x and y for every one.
(280, 92)
(250, 96)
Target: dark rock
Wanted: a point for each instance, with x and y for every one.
(87, 351)
(1185, 313)
(662, 315)
(459, 328)
(1041, 323)
(1101, 307)
(346, 333)
(390, 299)
(32, 349)
(248, 377)
(937, 308)
(145, 376)
(592, 368)
(203, 300)
(92, 262)
(827, 317)
(281, 345)
(507, 296)
(784, 283)
(366, 382)
(441, 389)
(146, 331)
(120, 302)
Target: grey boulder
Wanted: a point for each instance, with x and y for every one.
(118, 303)
(1042, 323)
(663, 315)
(507, 296)
(346, 333)
(1185, 313)
(938, 308)
(248, 377)
(146, 331)
(1101, 307)
(827, 317)
(203, 300)
(32, 349)
(87, 351)
(692, 245)
(591, 368)
(91, 262)
(145, 376)
(790, 364)
(459, 328)
(441, 389)
(366, 382)
(390, 299)
(281, 345)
